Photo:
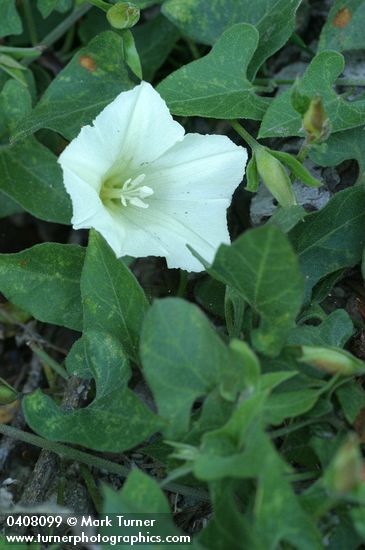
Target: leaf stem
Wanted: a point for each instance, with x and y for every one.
(91, 487)
(244, 134)
(30, 22)
(22, 52)
(48, 360)
(63, 27)
(303, 151)
(100, 4)
(183, 282)
(59, 31)
(302, 476)
(94, 461)
(193, 48)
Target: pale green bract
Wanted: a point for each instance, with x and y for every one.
(146, 187)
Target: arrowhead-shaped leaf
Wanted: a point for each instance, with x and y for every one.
(115, 421)
(262, 266)
(183, 358)
(217, 85)
(332, 238)
(205, 20)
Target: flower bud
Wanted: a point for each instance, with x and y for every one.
(331, 360)
(7, 395)
(183, 451)
(123, 15)
(275, 177)
(315, 121)
(345, 471)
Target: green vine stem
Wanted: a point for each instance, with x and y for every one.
(58, 31)
(94, 461)
(22, 52)
(30, 22)
(244, 134)
(100, 4)
(48, 361)
(91, 487)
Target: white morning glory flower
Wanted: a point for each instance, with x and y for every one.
(146, 187)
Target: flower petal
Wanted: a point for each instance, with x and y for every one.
(193, 184)
(198, 167)
(89, 211)
(134, 129)
(152, 232)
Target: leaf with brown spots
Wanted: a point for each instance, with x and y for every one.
(344, 29)
(87, 63)
(342, 18)
(93, 78)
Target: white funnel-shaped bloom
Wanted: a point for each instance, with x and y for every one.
(146, 187)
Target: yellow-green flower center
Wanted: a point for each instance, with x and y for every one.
(130, 192)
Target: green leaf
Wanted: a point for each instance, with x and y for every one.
(278, 511)
(332, 238)
(289, 404)
(335, 330)
(77, 363)
(205, 20)
(115, 421)
(263, 268)
(154, 40)
(287, 217)
(94, 77)
(325, 285)
(131, 55)
(10, 22)
(210, 295)
(274, 501)
(112, 298)
(45, 280)
(252, 176)
(48, 6)
(8, 206)
(344, 28)
(39, 186)
(342, 146)
(221, 450)
(228, 528)
(140, 498)
(217, 85)
(140, 495)
(15, 102)
(351, 397)
(282, 120)
(183, 359)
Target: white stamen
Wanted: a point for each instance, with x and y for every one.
(134, 193)
(138, 202)
(130, 192)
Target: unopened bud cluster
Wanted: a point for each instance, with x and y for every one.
(123, 15)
